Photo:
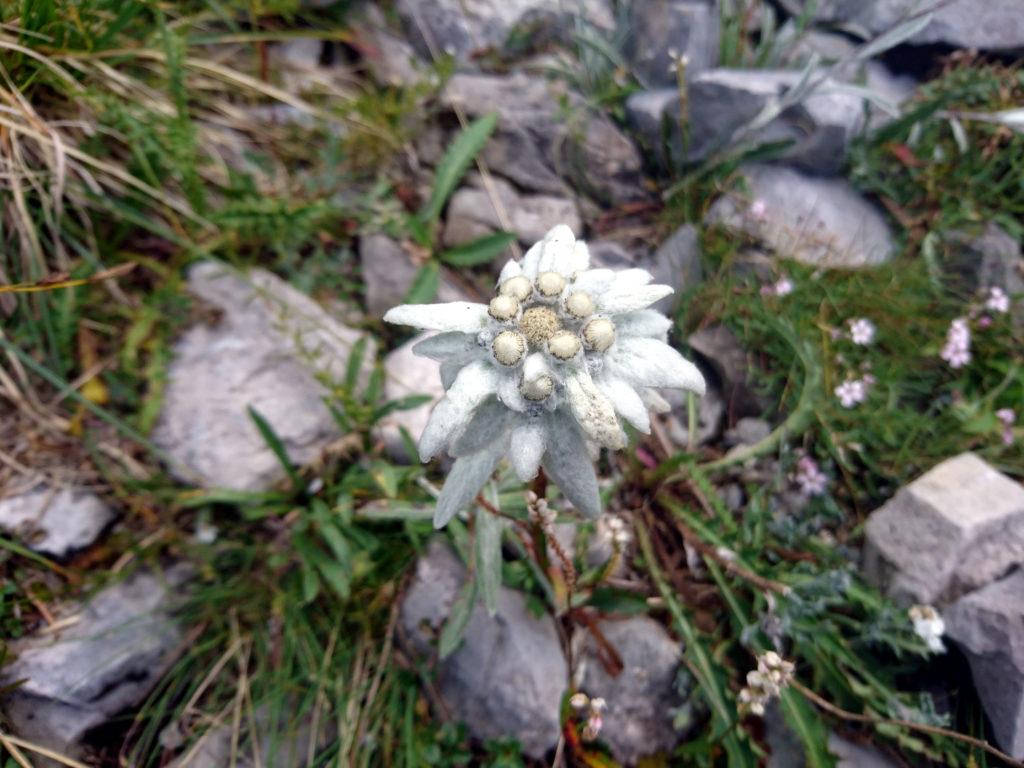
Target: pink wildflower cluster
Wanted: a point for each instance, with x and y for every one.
(810, 478)
(957, 349)
(853, 392)
(862, 331)
(781, 287)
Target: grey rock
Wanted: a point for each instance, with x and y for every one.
(608, 254)
(987, 259)
(405, 375)
(677, 263)
(265, 350)
(55, 521)
(850, 754)
(993, 25)
(723, 101)
(989, 626)
(816, 221)
(81, 676)
(507, 677)
(656, 27)
(748, 431)
(389, 58)
(536, 146)
(641, 700)
(461, 28)
(954, 529)
(655, 117)
(787, 751)
(388, 273)
(472, 214)
(728, 362)
(710, 414)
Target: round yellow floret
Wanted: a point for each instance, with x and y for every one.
(503, 307)
(550, 284)
(564, 345)
(539, 324)
(579, 305)
(599, 334)
(509, 347)
(517, 287)
(537, 389)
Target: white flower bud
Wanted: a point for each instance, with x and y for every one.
(564, 345)
(550, 284)
(509, 347)
(517, 287)
(579, 305)
(599, 334)
(537, 389)
(503, 307)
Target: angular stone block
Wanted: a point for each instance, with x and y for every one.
(956, 528)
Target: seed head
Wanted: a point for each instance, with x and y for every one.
(599, 334)
(537, 389)
(509, 347)
(503, 307)
(550, 284)
(579, 305)
(564, 345)
(539, 324)
(517, 287)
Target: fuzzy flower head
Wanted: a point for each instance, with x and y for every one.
(557, 357)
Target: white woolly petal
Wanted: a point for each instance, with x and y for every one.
(531, 261)
(511, 269)
(593, 411)
(627, 403)
(568, 463)
(535, 365)
(468, 476)
(618, 299)
(526, 448)
(643, 322)
(471, 387)
(654, 401)
(444, 345)
(558, 250)
(462, 316)
(452, 367)
(509, 394)
(580, 257)
(651, 363)
(594, 281)
(488, 426)
(632, 278)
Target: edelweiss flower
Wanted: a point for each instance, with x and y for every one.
(560, 353)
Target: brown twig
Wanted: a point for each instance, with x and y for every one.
(920, 727)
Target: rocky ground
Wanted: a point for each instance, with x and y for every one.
(217, 548)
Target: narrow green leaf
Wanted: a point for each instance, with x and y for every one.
(807, 724)
(275, 445)
(483, 250)
(455, 163)
(458, 619)
(355, 364)
(488, 550)
(310, 583)
(424, 285)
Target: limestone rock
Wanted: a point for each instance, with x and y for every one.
(956, 528)
(656, 27)
(989, 626)
(265, 351)
(388, 273)
(817, 221)
(55, 521)
(472, 214)
(676, 263)
(405, 375)
(507, 677)
(654, 116)
(108, 660)
(992, 25)
(388, 56)
(728, 363)
(642, 699)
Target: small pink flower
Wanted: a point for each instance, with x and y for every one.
(810, 478)
(862, 331)
(851, 392)
(957, 349)
(1007, 416)
(759, 210)
(984, 321)
(997, 301)
(783, 287)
